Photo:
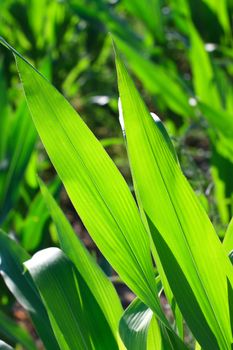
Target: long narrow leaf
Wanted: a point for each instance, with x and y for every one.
(183, 235)
(96, 280)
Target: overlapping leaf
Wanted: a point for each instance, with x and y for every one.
(96, 280)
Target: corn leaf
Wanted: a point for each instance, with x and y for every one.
(228, 239)
(95, 186)
(37, 216)
(167, 289)
(134, 325)
(21, 286)
(75, 315)
(96, 280)
(15, 333)
(140, 330)
(190, 252)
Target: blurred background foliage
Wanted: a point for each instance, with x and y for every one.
(181, 56)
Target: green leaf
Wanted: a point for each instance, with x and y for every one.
(37, 216)
(96, 280)
(222, 172)
(16, 333)
(95, 186)
(140, 330)
(188, 247)
(75, 315)
(176, 312)
(228, 239)
(134, 325)
(21, 140)
(203, 73)
(21, 286)
(155, 337)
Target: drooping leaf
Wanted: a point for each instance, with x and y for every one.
(77, 320)
(21, 286)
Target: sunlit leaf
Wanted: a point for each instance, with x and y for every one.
(190, 252)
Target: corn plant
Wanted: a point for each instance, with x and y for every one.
(71, 302)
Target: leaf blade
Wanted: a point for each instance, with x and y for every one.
(76, 318)
(164, 190)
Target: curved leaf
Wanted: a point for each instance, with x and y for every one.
(96, 280)
(75, 315)
(22, 287)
